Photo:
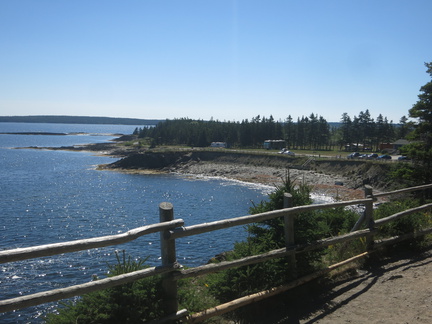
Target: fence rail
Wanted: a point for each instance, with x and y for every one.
(171, 229)
(20, 254)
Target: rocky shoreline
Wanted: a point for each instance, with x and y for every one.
(334, 186)
(262, 169)
(340, 178)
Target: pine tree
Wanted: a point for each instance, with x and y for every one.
(421, 149)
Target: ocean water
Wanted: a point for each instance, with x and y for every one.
(55, 196)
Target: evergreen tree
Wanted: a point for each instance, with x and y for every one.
(289, 132)
(366, 126)
(421, 149)
(346, 137)
(405, 127)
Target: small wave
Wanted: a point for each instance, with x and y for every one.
(265, 189)
(321, 198)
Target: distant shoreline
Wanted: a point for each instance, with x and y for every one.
(52, 119)
(58, 134)
(33, 133)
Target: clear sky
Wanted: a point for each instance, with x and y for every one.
(220, 59)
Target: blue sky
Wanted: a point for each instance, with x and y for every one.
(220, 59)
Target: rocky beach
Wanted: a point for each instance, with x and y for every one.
(335, 186)
(338, 178)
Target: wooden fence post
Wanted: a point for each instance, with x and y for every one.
(168, 255)
(289, 233)
(369, 220)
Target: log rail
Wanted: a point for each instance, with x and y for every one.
(171, 229)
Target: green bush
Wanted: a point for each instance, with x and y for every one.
(269, 235)
(134, 302)
(406, 224)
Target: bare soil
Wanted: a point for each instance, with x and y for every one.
(396, 289)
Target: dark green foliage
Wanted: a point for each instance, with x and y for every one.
(194, 295)
(311, 132)
(135, 302)
(363, 132)
(269, 235)
(314, 133)
(406, 224)
(130, 303)
(420, 150)
(408, 174)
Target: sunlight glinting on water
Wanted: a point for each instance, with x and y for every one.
(57, 196)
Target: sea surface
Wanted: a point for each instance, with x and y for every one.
(51, 196)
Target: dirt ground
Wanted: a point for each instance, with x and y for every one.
(395, 289)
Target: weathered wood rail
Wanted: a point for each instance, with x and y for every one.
(171, 229)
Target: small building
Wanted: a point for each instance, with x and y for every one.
(219, 144)
(385, 146)
(354, 147)
(274, 144)
(399, 143)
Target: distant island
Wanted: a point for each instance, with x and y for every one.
(78, 120)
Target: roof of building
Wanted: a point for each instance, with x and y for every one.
(401, 142)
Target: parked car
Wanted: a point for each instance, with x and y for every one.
(403, 158)
(384, 157)
(285, 151)
(372, 156)
(354, 155)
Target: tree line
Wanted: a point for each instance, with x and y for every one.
(311, 132)
(364, 132)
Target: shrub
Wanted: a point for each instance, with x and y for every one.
(269, 235)
(134, 302)
(406, 224)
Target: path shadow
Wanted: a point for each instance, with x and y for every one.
(318, 297)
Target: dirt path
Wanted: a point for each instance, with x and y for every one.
(388, 290)
(397, 292)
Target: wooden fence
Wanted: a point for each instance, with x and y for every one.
(171, 229)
